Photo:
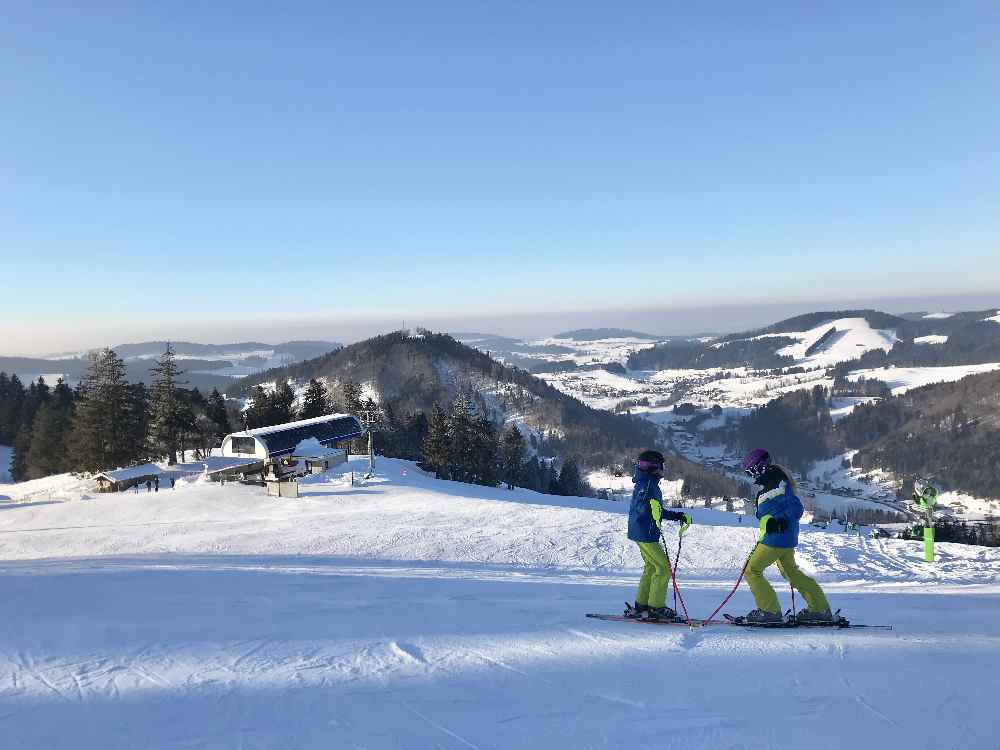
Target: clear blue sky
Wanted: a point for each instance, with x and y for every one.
(165, 166)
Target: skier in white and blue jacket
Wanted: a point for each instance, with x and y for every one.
(645, 514)
(778, 508)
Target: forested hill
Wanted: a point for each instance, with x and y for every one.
(949, 432)
(920, 339)
(413, 373)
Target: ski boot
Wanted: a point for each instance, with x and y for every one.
(763, 618)
(636, 611)
(819, 618)
(658, 614)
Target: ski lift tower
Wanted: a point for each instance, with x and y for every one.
(925, 495)
(370, 419)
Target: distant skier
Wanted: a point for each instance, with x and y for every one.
(779, 509)
(645, 515)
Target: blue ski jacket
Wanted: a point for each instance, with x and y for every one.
(646, 509)
(778, 500)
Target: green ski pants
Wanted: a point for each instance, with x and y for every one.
(655, 575)
(763, 593)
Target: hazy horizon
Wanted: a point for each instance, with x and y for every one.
(719, 319)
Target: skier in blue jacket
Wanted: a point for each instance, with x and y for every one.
(778, 509)
(645, 515)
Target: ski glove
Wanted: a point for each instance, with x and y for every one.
(676, 515)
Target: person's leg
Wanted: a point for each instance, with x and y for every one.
(811, 592)
(763, 594)
(642, 595)
(656, 560)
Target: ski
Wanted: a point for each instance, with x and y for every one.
(638, 621)
(841, 623)
(735, 622)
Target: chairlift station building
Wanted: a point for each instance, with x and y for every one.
(278, 441)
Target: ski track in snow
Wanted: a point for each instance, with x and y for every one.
(416, 613)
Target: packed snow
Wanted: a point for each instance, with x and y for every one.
(853, 337)
(410, 612)
(932, 339)
(902, 379)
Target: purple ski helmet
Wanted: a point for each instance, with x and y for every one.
(651, 461)
(756, 462)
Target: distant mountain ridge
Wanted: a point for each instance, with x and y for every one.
(599, 334)
(205, 366)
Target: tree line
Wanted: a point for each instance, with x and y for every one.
(106, 422)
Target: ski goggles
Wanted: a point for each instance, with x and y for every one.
(756, 470)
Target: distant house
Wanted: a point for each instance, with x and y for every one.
(119, 480)
(269, 443)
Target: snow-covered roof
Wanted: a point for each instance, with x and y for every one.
(258, 431)
(131, 472)
(282, 439)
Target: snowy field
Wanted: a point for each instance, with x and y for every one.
(413, 613)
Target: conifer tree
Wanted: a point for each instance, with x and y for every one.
(352, 396)
(571, 483)
(218, 416)
(485, 452)
(47, 453)
(166, 423)
(512, 456)
(462, 449)
(282, 402)
(258, 411)
(315, 402)
(437, 444)
(532, 474)
(100, 437)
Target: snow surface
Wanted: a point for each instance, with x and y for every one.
(854, 337)
(903, 379)
(932, 339)
(938, 316)
(411, 612)
(993, 318)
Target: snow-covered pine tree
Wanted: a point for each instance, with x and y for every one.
(315, 402)
(512, 453)
(165, 425)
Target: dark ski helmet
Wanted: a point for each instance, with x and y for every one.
(756, 462)
(651, 461)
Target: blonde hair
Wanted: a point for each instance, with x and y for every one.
(788, 475)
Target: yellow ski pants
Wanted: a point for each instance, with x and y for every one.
(655, 575)
(763, 593)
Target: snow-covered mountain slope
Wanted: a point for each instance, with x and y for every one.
(835, 341)
(903, 379)
(409, 612)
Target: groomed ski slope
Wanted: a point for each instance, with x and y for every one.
(423, 614)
